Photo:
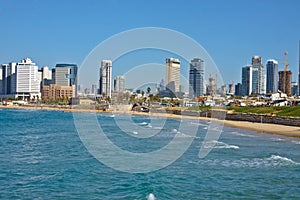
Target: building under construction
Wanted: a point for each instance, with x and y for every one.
(287, 86)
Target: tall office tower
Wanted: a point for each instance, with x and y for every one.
(27, 84)
(258, 76)
(1, 80)
(287, 86)
(211, 88)
(223, 89)
(119, 84)
(272, 76)
(46, 76)
(238, 89)
(94, 89)
(247, 80)
(8, 78)
(231, 88)
(299, 72)
(105, 78)
(196, 78)
(65, 75)
(173, 74)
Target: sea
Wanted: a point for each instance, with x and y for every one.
(42, 156)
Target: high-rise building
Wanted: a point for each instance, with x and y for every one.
(46, 76)
(196, 78)
(238, 89)
(8, 78)
(295, 89)
(65, 75)
(258, 76)
(1, 80)
(119, 84)
(94, 89)
(105, 78)
(231, 88)
(299, 72)
(211, 88)
(27, 84)
(247, 80)
(172, 74)
(272, 76)
(287, 86)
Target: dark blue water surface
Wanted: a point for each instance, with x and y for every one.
(42, 157)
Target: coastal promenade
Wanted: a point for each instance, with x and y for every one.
(271, 128)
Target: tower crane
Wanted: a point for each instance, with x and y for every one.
(286, 65)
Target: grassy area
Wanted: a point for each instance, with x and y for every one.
(199, 108)
(280, 111)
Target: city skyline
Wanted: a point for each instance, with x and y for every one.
(238, 41)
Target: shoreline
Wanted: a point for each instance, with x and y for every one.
(277, 129)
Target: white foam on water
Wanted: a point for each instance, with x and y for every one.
(242, 134)
(267, 162)
(158, 128)
(175, 131)
(296, 141)
(148, 125)
(151, 196)
(199, 124)
(135, 132)
(219, 145)
(283, 159)
(278, 139)
(143, 123)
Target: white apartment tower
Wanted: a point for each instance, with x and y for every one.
(27, 84)
(258, 76)
(105, 80)
(120, 84)
(173, 74)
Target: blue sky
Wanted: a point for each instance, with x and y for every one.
(231, 31)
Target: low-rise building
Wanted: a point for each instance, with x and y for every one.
(54, 91)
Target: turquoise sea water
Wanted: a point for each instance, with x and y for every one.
(42, 157)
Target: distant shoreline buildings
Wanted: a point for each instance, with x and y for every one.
(23, 80)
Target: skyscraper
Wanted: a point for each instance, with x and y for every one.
(46, 76)
(272, 76)
(299, 72)
(247, 80)
(27, 85)
(238, 89)
(173, 74)
(105, 78)
(1, 80)
(119, 84)
(258, 76)
(287, 87)
(8, 78)
(196, 78)
(65, 75)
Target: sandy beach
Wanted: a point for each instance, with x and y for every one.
(290, 131)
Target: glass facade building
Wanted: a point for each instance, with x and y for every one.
(196, 78)
(272, 76)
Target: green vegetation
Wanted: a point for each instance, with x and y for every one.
(293, 111)
(290, 111)
(199, 108)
